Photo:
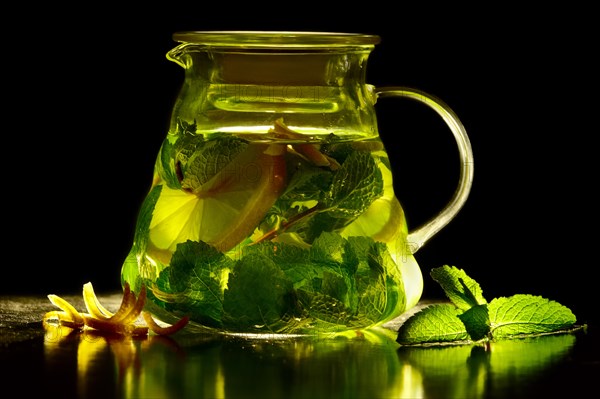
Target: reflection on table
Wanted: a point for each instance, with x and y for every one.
(354, 365)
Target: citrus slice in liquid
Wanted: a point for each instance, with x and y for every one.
(227, 208)
(384, 219)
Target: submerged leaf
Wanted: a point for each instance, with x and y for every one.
(355, 186)
(258, 294)
(211, 158)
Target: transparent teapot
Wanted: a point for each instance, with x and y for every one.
(272, 206)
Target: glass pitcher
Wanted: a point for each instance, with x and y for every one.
(272, 206)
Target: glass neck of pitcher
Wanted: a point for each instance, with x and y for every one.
(242, 85)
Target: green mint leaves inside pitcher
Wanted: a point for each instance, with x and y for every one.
(271, 237)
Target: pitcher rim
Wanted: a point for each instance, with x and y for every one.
(276, 39)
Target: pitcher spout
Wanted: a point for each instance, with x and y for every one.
(177, 54)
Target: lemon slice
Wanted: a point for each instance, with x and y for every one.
(384, 218)
(227, 208)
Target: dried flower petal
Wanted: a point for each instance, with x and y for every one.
(66, 307)
(157, 329)
(123, 321)
(93, 305)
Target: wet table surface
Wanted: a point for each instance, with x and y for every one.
(59, 364)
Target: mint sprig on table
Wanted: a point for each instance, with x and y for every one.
(470, 317)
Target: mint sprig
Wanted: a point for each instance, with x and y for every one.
(353, 188)
(470, 317)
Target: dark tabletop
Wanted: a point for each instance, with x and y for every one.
(63, 364)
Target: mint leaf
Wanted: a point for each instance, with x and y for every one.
(337, 280)
(211, 158)
(336, 285)
(294, 261)
(476, 321)
(175, 151)
(305, 188)
(462, 290)
(258, 295)
(187, 140)
(527, 314)
(325, 308)
(307, 182)
(356, 252)
(195, 281)
(191, 260)
(337, 148)
(355, 186)
(328, 247)
(318, 199)
(435, 323)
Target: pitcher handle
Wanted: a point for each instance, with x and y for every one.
(419, 236)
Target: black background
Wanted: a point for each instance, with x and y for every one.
(88, 96)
